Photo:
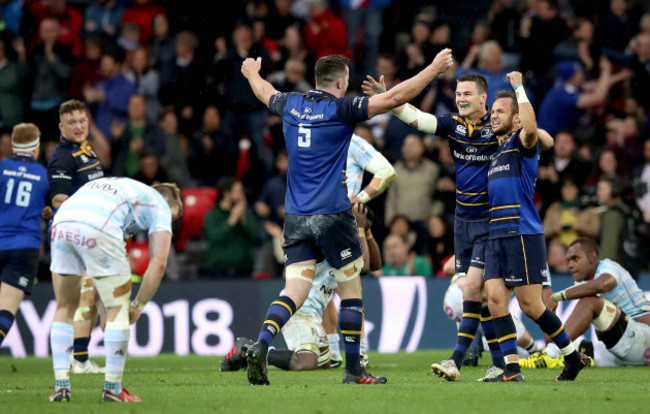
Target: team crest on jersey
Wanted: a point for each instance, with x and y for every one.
(461, 129)
(486, 132)
(307, 110)
(471, 150)
(84, 158)
(22, 169)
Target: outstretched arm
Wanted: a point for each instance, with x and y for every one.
(262, 89)
(528, 134)
(545, 139)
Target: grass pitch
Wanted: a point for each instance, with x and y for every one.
(193, 384)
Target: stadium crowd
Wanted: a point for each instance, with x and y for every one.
(168, 102)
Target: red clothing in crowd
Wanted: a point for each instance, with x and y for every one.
(142, 15)
(327, 34)
(70, 21)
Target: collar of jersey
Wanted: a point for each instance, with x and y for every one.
(23, 156)
(320, 92)
(64, 141)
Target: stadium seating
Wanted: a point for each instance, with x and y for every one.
(197, 201)
(138, 256)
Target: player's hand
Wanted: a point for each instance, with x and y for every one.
(360, 210)
(47, 213)
(251, 66)
(134, 315)
(515, 78)
(371, 87)
(443, 61)
(551, 304)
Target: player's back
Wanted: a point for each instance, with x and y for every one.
(116, 206)
(317, 128)
(24, 190)
(626, 295)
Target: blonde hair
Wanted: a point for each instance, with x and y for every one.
(172, 194)
(25, 135)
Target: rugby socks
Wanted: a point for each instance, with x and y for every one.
(351, 321)
(490, 336)
(277, 316)
(6, 320)
(334, 340)
(80, 348)
(551, 325)
(61, 338)
(506, 333)
(116, 341)
(467, 330)
(280, 358)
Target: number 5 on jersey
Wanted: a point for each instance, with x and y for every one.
(304, 136)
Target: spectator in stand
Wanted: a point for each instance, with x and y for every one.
(176, 150)
(146, 82)
(292, 46)
(580, 47)
(446, 184)
(399, 260)
(50, 67)
(325, 33)
(612, 219)
(12, 76)
(606, 168)
(417, 53)
(70, 21)
(401, 225)
(133, 139)
(291, 79)
(162, 50)
(150, 172)
(110, 97)
(279, 19)
(640, 65)
(489, 65)
(86, 73)
(504, 23)
(232, 231)
(441, 242)
(142, 13)
(130, 38)
(214, 150)
(244, 114)
(641, 183)
(411, 194)
(102, 18)
(556, 257)
(259, 36)
(11, 13)
(617, 27)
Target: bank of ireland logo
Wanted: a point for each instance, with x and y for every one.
(471, 150)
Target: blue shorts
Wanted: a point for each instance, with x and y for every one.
(469, 244)
(333, 237)
(518, 260)
(18, 268)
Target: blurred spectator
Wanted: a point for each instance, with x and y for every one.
(441, 242)
(259, 36)
(612, 218)
(364, 20)
(401, 225)
(69, 18)
(580, 47)
(640, 82)
(162, 50)
(641, 183)
(232, 231)
(176, 150)
(150, 172)
(110, 97)
(50, 67)
(146, 82)
(411, 194)
(291, 79)
(489, 65)
(399, 260)
(617, 27)
(243, 114)
(606, 168)
(504, 24)
(556, 257)
(6, 149)
(136, 137)
(11, 13)
(102, 18)
(214, 150)
(12, 75)
(130, 37)
(417, 53)
(86, 73)
(292, 46)
(279, 19)
(142, 13)
(325, 33)
(446, 184)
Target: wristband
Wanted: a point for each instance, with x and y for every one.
(517, 86)
(138, 305)
(521, 95)
(558, 296)
(362, 232)
(368, 234)
(363, 196)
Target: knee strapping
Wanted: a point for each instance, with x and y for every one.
(606, 316)
(303, 272)
(349, 271)
(84, 313)
(115, 291)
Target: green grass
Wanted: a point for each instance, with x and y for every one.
(193, 384)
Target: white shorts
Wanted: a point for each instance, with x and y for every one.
(303, 330)
(78, 248)
(633, 348)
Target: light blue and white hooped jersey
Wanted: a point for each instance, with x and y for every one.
(117, 206)
(626, 295)
(359, 155)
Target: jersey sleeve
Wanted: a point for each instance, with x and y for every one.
(162, 219)
(277, 103)
(361, 151)
(60, 171)
(352, 109)
(610, 269)
(444, 125)
(526, 152)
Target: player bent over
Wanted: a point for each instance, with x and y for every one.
(87, 236)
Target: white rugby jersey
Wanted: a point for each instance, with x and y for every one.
(359, 155)
(626, 295)
(117, 206)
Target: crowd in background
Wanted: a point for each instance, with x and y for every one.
(168, 102)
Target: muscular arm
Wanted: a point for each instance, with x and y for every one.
(159, 245)
(262, 89)
(545, 139)
(604, 283)
(528, 134)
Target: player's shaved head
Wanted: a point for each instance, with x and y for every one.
(329, 69)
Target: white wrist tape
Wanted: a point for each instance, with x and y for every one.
(363, 196)
(521, 95)
(427, 123)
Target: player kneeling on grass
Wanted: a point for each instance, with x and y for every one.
(309, 348)
(87, 236)
(608, 298)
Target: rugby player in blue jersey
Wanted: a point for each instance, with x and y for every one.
(472, 147)
(23, 197)
(319, 223)
(515, 254)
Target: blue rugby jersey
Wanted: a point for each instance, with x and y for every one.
(72, 166)
(24, 190)
(472, 148)
(317, 130)
(511, 187)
